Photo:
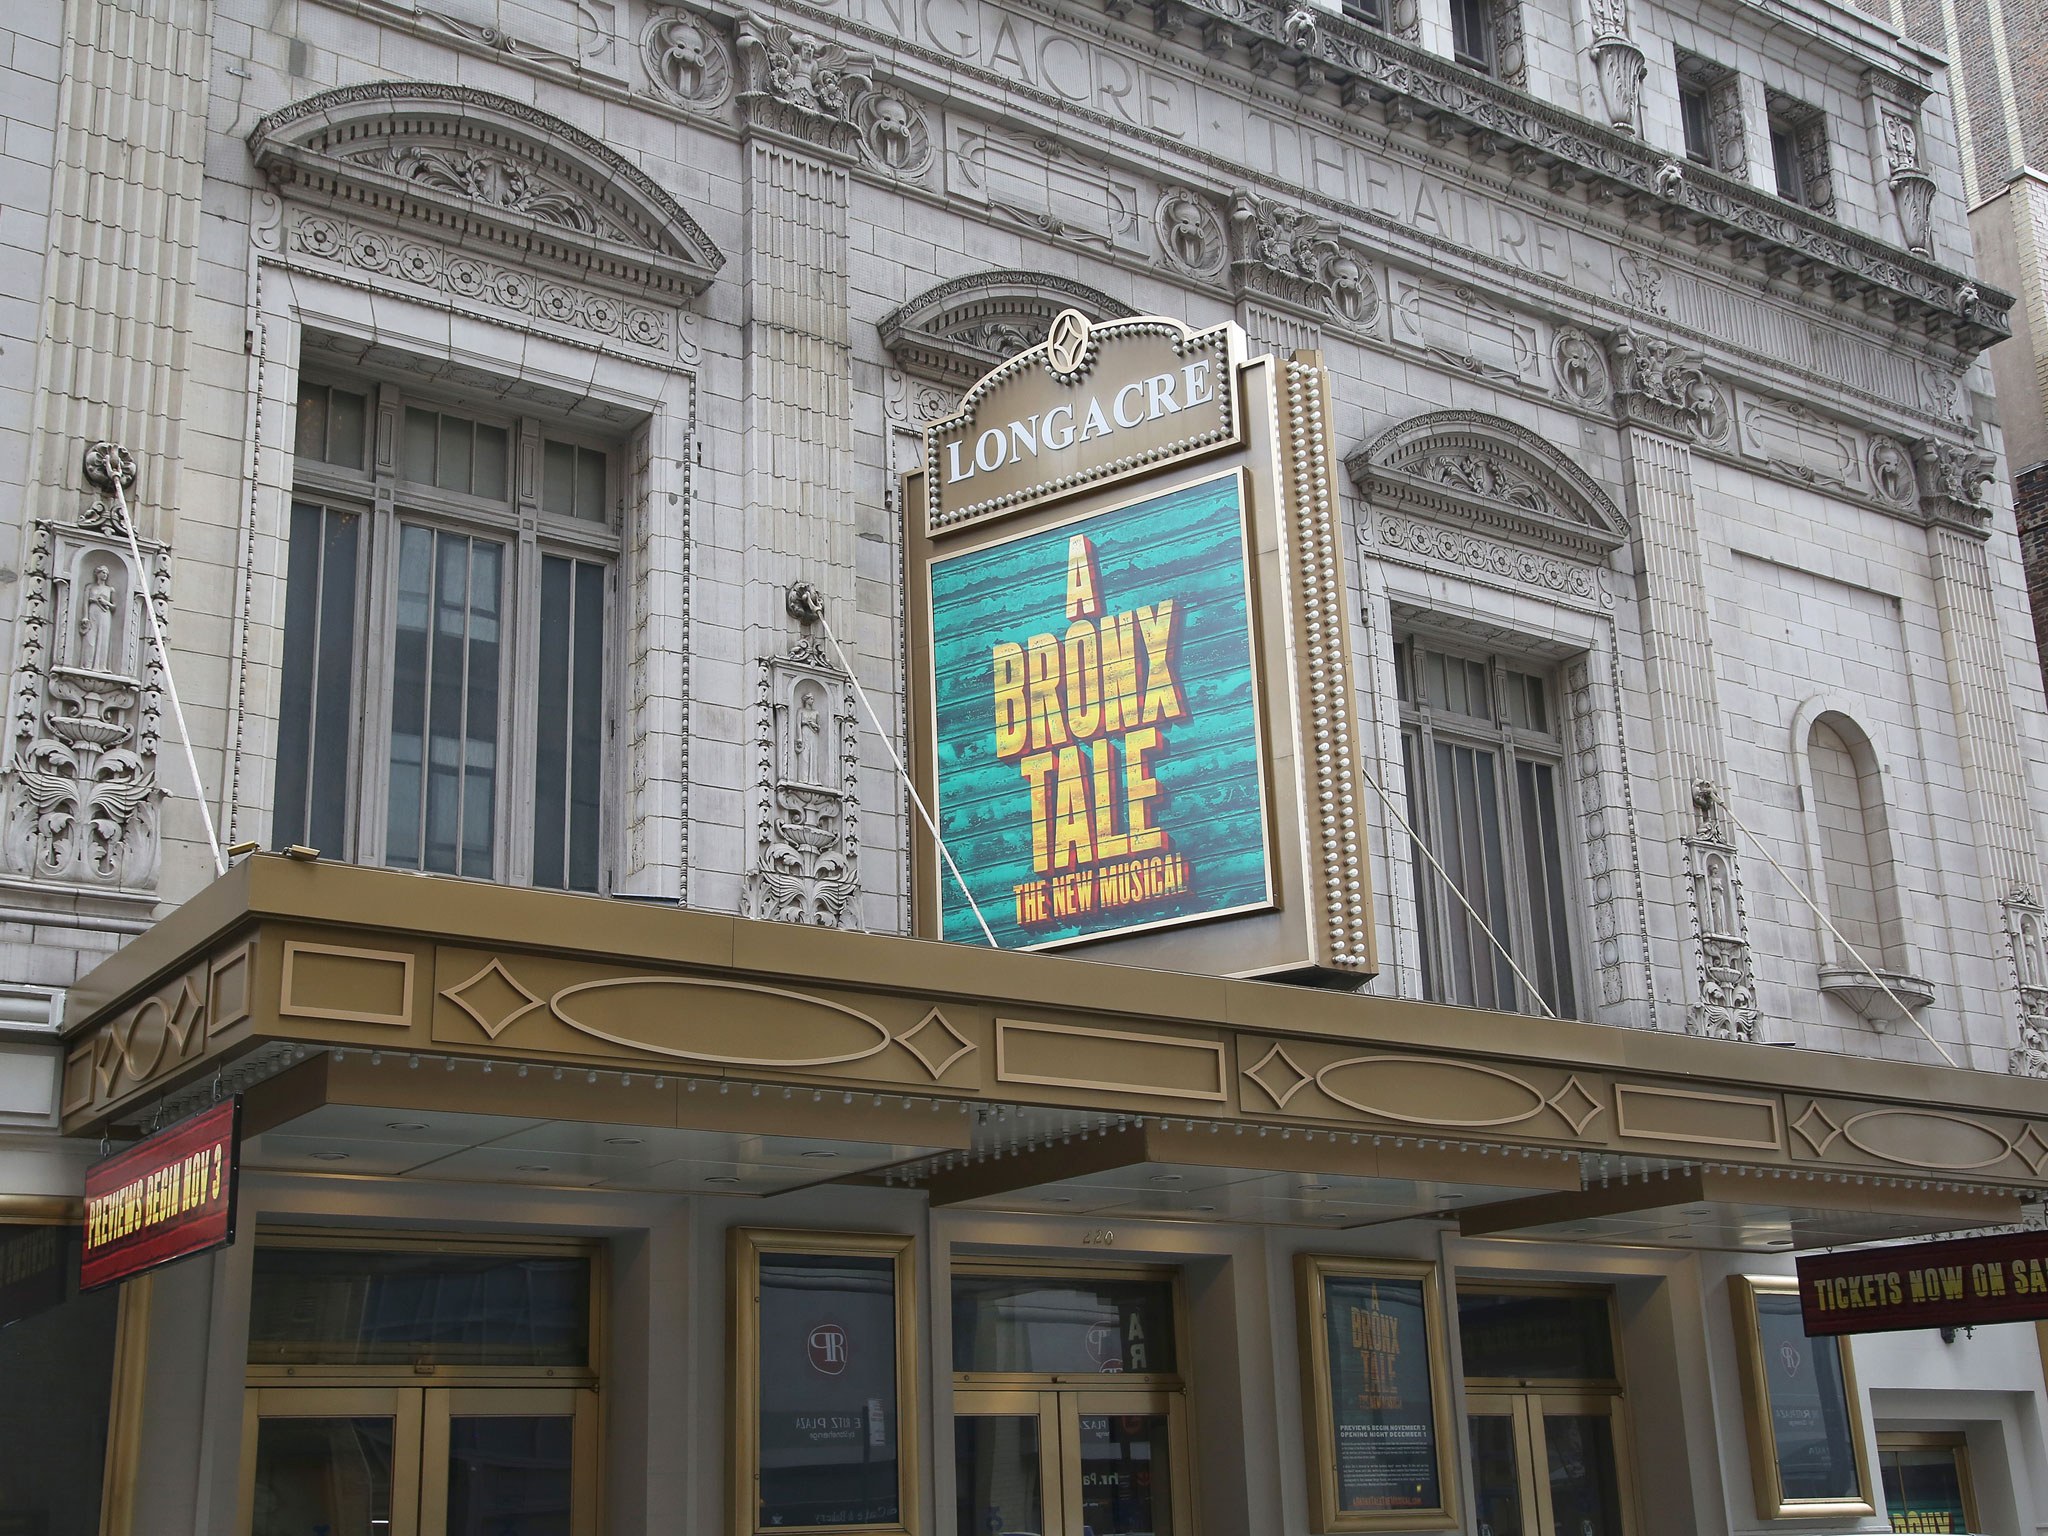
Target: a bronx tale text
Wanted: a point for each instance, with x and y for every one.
(1080, 714)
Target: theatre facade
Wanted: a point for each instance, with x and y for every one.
(997, 767)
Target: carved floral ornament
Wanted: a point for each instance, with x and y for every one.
(1297, 258)
(1659, 384)
(1473, 468)
(507, 174)
(79, 785)
(802, 86)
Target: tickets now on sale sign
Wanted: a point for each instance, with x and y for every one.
(168, 1197)
(1097, 722)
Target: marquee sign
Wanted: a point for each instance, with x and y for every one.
(166, 1198)
(1130, 679)
(1955, 1284)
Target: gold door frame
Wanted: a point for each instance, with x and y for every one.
(746, 1248)
(1953, 1441)
(1319, 1430)
(1771, 1503)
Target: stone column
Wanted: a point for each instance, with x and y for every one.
(1667, 403)
(1953, 483)
(79, 791)
(799, 140)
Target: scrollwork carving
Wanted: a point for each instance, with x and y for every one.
(801, 86)
(807, 864)
(1580, 366)
(1952, 484)
(1659, 385)
(893, 132)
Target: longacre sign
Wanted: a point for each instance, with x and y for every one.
(167, 1197)
(1926, 1285)
(1092, 403)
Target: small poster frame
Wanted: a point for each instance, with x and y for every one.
(1749, 1297)
(1314, 1274)
(748, 1247)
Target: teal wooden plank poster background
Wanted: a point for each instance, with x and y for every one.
(1098, 747)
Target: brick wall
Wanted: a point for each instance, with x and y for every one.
(2030, 494)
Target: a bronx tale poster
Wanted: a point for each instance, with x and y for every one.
(1378, 1343)
(1097, 722)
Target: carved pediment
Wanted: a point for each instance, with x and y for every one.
(961, 329)
(486, 170)
(1469, 468)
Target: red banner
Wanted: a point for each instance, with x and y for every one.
(167, 1197)
(1926, 1285)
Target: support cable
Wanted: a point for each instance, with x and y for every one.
(1423, 848)
(817, 610)
(1721, 799)
(163, 655)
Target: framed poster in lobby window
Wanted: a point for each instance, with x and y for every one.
(1376, 1395)
(824, 1371)
(1806, 1451)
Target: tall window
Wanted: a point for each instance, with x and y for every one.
(443, 704)
(1472, 34)
(1799, 153)
(1710, 111)
(1483, 752)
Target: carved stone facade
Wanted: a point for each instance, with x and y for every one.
(86, 707)
(807, 801)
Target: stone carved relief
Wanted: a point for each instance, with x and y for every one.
(1952, 484)
(1467, 467)
(1047, 187)
(1891, 471)
(1280, 252)
(1901, 142)
(1619, 68)
(499, 180)
(407, 155)
(1465, 329)
(807, 865)
(687, 60)
(1569, 580)
(1580, 366)
(1658, 385)
(473, 280)
(1191, 234)
(1913, 200)
(1725, 1002)
(1639, 282)
(80, 783)
(893, 132)
(1799, 443)
(959, 330)
(2026, 926)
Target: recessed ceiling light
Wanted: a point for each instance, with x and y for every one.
(622, 1141)
(1165, 1178)
(1779, 1242)
(405, 1125)
(1314, 1189)
(1450, 1199)
(1059, 1199)
(820, 1154)
(534, 1168)
(1205, 1207)
(720, 1178)
(332, 1157)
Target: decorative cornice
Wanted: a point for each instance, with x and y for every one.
(1370, 71)
(494, 170)
(1472, 468)
(964, 327)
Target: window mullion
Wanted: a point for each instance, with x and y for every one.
(520, 617)
(371, 768)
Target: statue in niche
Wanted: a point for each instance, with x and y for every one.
(96, 623)
(2033, 968)
(810, 730)
(1720, 897)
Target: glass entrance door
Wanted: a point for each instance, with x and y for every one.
(1066, 1462)
(1546, 1464)
(418, 1461)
